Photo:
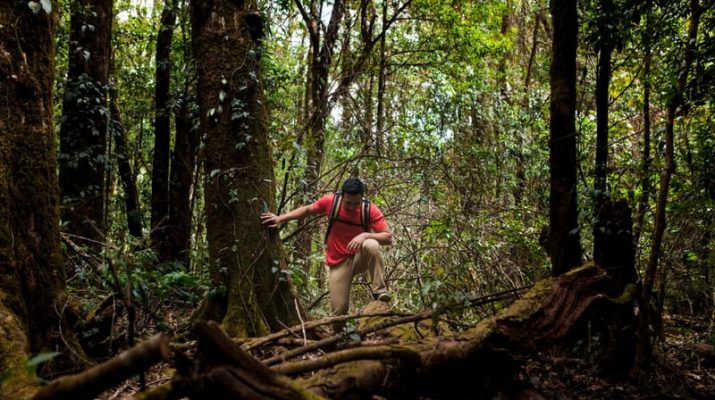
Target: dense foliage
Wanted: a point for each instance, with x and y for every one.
(444, 113)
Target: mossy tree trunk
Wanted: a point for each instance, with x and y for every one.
(252, 293)
(83, 130)
(30, 259)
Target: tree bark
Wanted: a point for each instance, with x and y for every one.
(162, 133)
(603, 81)
(646, 160)
(183, 162)
(564, 236)
(131, 198)
(252, 288)
(643, 349)
(83, 126)
(30, 258)
(90, 383)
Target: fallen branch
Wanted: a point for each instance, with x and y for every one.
(383, 325)
(360, 353)
(90, 383)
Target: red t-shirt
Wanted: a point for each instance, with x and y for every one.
(341, 233)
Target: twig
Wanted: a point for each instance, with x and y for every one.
(310, 325)
(302, 324)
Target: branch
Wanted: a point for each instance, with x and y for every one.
(387, 324)
(307, 19)
(339, 357)
(88, 384)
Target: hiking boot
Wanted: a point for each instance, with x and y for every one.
(384, 296)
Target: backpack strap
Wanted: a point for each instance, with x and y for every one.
(333, 213)
(365, 215)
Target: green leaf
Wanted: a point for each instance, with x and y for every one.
(33, 362)
(46, 5)
(34, 6)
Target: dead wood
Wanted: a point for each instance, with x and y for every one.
(221, 370)
(88, 384)
(482, 361)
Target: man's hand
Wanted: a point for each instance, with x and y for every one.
(270, 220)
(355, 245)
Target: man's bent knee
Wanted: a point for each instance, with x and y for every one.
(371, 245)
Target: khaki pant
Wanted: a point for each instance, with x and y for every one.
(369, 260)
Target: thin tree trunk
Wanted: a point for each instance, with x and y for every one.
(83, 130)
(320, 62)
(646, 160)
(381, 76)
(603, 80)
(564, 236)
(126, 175)
(162, 133)
(643, 348)
(183, 162)
(520, 159)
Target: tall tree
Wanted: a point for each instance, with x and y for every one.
(646, 159)
(183, 161)
(30, 259)
(83, 129)
(674, 103)
(124, 167)
(162, 132)
(564, 236)
(605, 44)
(253, 293)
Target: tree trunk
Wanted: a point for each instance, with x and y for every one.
(252, 290)
(520, 158)
(643, 349)
(603, 80)
(646, 160)
(183, 161)
(564, 236)
(131, 198)
(83, 129)
(30, 259)
(381, 78)
(162, 133)
(320, 60)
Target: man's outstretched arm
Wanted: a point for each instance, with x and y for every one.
(273, 221)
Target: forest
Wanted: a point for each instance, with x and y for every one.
(545, 168)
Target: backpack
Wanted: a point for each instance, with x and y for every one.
(335, 209)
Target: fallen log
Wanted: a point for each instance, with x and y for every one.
(483, 360)
(88, 384)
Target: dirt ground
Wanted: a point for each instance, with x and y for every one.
(682, 371)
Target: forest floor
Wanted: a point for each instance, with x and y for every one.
(682, 372)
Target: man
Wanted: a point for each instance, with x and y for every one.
(350, 249)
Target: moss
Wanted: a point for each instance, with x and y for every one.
(529, 303)
(14, 348)
(307, 394)
(626, 296)
(581, 269)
